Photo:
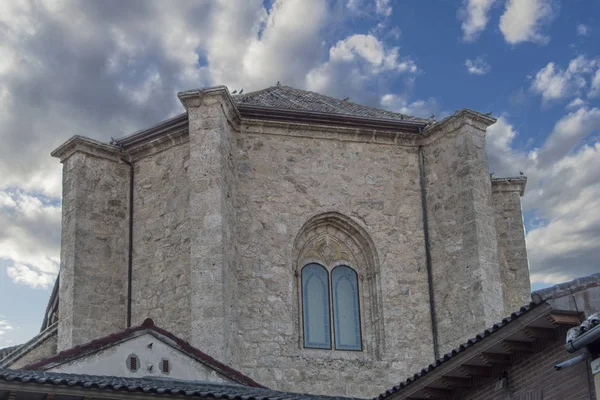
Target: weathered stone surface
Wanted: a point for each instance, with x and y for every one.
(462, 231)
(512, 252)
(93, 270)
(225, 219)
(161, 241)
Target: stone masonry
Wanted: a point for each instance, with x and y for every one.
(228, 209)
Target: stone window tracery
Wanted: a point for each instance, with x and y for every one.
(338, 287)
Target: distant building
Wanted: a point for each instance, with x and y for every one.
(313, 244)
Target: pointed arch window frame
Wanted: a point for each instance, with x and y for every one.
(333, 343)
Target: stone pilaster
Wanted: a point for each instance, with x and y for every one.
(512, 252)
(212, 115)
(93, 267)
(462, 231)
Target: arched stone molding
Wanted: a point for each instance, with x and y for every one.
(333, 239)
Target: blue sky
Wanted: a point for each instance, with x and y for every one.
(105, 69)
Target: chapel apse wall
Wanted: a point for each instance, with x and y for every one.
(227, 212)
(281, 182)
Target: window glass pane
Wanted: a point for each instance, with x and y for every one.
(346, 315)
(315, 305)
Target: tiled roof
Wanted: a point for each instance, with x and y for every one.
(446, 357)
(538, 297)
(288, 98)
(148, 325)
(161, 386)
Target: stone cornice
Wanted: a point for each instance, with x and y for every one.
(455, 121)
(86, 145)
(159, 143)
(329, 132)
(196, 97)
(510, 184)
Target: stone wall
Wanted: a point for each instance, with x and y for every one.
(93, 270)
(161, 284)
(213, 284)
(463, 242)
(225, 215)
(287, 175)
(512, 252)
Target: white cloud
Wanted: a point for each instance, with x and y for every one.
(477, 66)
(575, 104)
(382, 7)
(5, 326)
(554, 83)
(123, 74)
(595, 90)
(418, 108)
(379, 8)
(30, 238)
(582, 30)
(523, 21)
(354, 63)
(563, 193)
(475, 16)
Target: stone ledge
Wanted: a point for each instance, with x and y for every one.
(195, 98)
(510, 184)
(86, 145)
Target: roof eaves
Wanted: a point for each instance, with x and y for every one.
(460, 349)
(278, 114)
(105, 386)
(153, 131)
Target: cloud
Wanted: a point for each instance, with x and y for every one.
(5, 326)
(30, 238)
(382, 7)
(379, 8)
(554, 83)
(563, 193)
(355, 65)
(474, 15)
(477, 66)
(595, 90)
(582, 30)
(523, 20)
(418, 108)
(106, 69)
(575, 104)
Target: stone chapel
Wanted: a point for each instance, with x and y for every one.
(313, 244)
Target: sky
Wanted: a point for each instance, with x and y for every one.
(107, 68)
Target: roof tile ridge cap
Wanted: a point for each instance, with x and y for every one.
(573, 286)
(206, 357)
(81, 349)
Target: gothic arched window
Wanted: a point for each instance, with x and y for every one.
(318, 292)
(346, 313)
(315, 300)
